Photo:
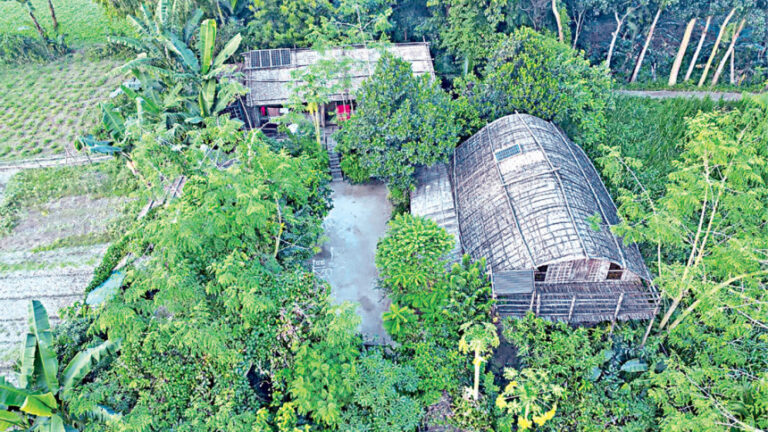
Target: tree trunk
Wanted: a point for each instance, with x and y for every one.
(476, 389)
(681, 52)
(53, 18)
(640, 59)
(698, 49)
(733, 60)
(714, 48)
(619, 23)
(37, 24)
(728, 53)
(557, 19)
(579, 25)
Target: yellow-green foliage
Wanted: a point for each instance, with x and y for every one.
(46, 106)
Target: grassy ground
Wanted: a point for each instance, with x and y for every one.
(81, 20)
(653, 131)
(46, 106)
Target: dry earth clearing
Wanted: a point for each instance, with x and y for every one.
(51, 252)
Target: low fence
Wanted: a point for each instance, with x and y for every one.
(581, 306)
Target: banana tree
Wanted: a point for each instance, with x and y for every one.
(39, 403)
(166, 54)
(179, 85)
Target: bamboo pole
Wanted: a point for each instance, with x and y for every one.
(728, 53)
(557, 19)
(714, 48)
(640, 59)
(681, 52)
(698, 49)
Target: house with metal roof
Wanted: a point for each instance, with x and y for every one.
(268, 75)
(528, 200)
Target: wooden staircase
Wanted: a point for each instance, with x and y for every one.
(334, 158)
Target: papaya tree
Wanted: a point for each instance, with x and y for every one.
(41, 399)
(479, 339)
(530, 396)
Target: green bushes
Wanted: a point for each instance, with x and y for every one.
(535, 74)
(598, 389)
(651, 131)
(430, 308)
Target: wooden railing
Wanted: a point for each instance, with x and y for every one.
(581, 306)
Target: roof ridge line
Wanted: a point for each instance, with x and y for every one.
(560, 184)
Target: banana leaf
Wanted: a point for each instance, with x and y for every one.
(113, 120)
(28, 361)
(55, 424)
(206, 44)
(162, 12)
(11, 396)
(9, 419)
(45, 358)
(229, 49)
(84, 361)
(207, 97)
(40, 404)
(182, 50)
(191, 26)
(634, 365)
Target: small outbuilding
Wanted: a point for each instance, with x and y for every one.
(529, 201)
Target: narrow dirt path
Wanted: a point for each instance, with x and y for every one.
(666, 94)
(52, 161)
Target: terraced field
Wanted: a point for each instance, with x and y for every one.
(64, 219)
(45, 107)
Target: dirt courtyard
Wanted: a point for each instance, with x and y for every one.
(354, 226)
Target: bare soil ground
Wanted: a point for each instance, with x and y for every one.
(66, 217)
(57, 277)
(353, 227)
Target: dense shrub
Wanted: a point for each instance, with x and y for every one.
(598, 372)
(535, 74)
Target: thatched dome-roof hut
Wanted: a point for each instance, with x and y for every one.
(530, 201)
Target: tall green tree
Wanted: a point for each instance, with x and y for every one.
(708, 231)
(401, 122)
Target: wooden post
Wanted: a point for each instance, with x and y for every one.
(570, 312)
(533, 296)
(616, 313)
(538, 304)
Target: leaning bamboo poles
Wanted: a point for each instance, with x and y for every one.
(681, 52)
(715, 47)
